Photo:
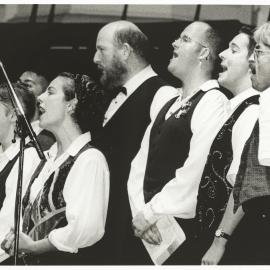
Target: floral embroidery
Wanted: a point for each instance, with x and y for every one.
(184, 109)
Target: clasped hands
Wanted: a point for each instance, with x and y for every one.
(146, 231)
(26, 244)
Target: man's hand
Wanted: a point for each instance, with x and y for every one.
(214, 254)
(140, 224)
(152, 235)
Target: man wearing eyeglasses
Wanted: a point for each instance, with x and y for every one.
(165, 174)
(247, 217)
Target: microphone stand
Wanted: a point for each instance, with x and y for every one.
(24, 129)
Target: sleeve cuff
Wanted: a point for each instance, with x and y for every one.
(265, 161)
(59, 245)
(149, 214)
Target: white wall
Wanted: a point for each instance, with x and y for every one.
(250, 14)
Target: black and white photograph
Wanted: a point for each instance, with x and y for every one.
(134, 133)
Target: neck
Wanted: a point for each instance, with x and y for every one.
(134, 69)
(6, 145)
(193, 83)
(7, 141)
(241, 87)
(36, 116)
(65, 136)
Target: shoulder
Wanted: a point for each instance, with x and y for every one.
(91, 155)
(215, 95)
(167, 90)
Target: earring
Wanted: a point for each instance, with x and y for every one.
(14, 138)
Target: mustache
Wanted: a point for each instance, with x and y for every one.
(251, 65)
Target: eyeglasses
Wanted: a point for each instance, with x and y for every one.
(259, 52)
(187, 39)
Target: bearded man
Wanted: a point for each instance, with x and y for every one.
(136, 94)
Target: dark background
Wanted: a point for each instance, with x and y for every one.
(55, 47)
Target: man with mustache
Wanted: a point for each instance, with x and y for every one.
(247, 216)
(225, 152)
(136, 93)
(166, 172)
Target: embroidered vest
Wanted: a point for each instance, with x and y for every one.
(253, 179)
(214, 189)
(47, 212)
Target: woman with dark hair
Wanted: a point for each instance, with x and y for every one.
(65, 206)
(9, 157)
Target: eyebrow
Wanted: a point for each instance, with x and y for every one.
(234, 45)
(27, 80)
(50, 88)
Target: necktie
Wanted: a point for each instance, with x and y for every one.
(117, 90)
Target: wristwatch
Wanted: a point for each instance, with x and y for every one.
(220, 233)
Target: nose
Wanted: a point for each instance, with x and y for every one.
(251, 58)
(174, 44)
(40, 98)
(222, 55)
(96, 57)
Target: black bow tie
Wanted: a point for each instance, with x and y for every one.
(117, 90)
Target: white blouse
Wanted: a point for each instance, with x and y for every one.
(31, 161)
(86, 193)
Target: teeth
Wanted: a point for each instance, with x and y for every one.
(41, 110)
(224, 68)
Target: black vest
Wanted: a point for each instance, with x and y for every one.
(168, 147)
(3, 178)
(121, 137)
(46, 139)
(214, 189)
(5, 173)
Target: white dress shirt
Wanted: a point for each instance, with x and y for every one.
(241, 130)
(31, 161)
(264, 124)
(179, 196)
(86, 193)
(164, 94)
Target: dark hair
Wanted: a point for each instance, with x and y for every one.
(248, 30)
(27, 98)
(136, 39)
(90, 108)
(43, 80)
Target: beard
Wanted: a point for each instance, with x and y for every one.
(114, 74)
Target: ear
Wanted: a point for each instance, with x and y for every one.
(126, 50)
(12, 115)
(204, 54)
(72, 104)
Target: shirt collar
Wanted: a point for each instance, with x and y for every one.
(132, 84)
(208, 85)
(75, 146)
(265, 93)
(235, 101)
(12, 150)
